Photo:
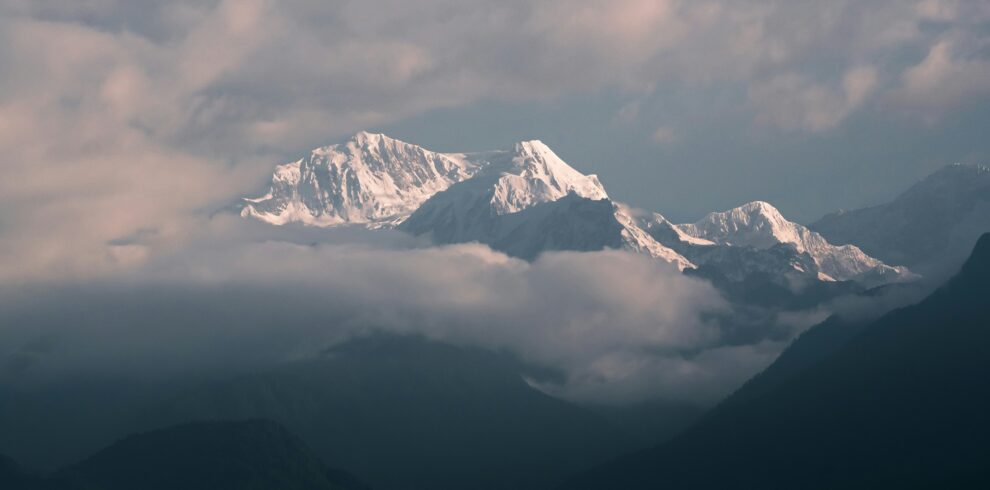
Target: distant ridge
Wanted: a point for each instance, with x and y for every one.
(900, 404)
(526, 200)
(932, 225)
(760, 225)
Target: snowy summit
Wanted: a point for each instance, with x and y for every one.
(526, 200)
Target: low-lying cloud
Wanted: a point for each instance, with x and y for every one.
(123, 131)
(618, 326)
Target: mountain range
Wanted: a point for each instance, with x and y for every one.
(896, 402)
(527, 200)
(930, 226)
(370, 179)
(864, 402)
(435, 415)
(899, 402)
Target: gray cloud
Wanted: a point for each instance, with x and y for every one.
(118, 116)
(620, 326)
(124, 125)
(793, 102)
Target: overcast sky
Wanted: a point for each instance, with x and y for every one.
(126, 125)
(122, 117)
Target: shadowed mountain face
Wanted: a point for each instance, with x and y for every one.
(528, 202)
(933, 224)
(569, 223)
(902, 404)
(406, 413)
(767, 278)
(254, 454)
(397, 412)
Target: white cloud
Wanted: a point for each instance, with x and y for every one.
(620, 326)
(795, 102)
(944, 80)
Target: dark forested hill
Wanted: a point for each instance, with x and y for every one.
(252, 454)
(409, 413)
(902, 404)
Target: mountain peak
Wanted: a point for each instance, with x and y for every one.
(533, 160)
(535, 153)
(532, 147)
(370, 179)
(757, 223)
(369, 140)
(532, 173)
(760, 225)
(762, 207)
(366, 136)
(529, 200)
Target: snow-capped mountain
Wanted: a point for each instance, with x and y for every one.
(932, 225)
(514, 180)
(531, 188)
(761, 226)
(668, 233)
(527, 200)
(369, 179)
(777, 276)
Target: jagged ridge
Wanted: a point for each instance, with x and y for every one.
(930, 226)
(514, 201)
(531, 188)
(760, 225)
(369, 179)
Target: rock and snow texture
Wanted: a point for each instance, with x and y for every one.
(370, 179)
(782, 262)
(515, 180)
(521, 201)
(528, 200)
(532, 174)
(668, 233)
(931, 226)
(759, 225)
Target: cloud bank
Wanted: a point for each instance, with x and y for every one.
(618, 326)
